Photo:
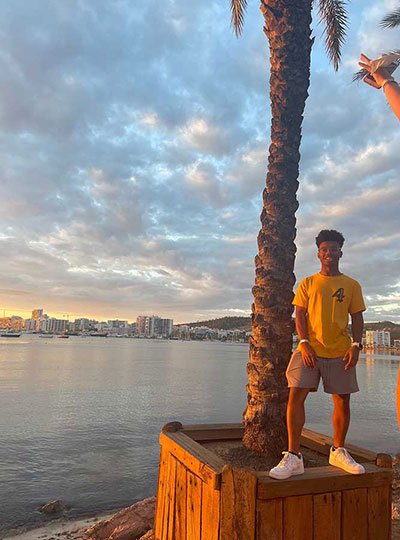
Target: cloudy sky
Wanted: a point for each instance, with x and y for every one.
(134, 141)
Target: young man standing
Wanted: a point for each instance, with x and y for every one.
(323, 303)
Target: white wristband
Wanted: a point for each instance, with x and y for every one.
(303, 341)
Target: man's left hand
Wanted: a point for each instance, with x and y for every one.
(351, 357)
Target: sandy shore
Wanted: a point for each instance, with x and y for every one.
(62, 529)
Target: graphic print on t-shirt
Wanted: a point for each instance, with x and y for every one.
(339, 294)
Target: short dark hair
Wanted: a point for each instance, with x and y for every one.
(330, 235)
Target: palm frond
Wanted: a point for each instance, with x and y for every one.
(238, 7)
(359, 75)
(391, 20)
(333, 15)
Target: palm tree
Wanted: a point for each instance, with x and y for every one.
(391, 20)
(288, 29)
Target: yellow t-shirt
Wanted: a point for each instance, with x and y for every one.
(329, 300)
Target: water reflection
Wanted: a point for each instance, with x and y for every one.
(80, 418)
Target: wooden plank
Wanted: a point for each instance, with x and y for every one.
(379, 513)
(212, 427)
(167, 485)
(169, 523)
(322, 443)
(298, 518)
(215, 435)
(384, 460)
(327, 516)
(354, 514)
(214, 432)
(210, 507)
(269, 520)
(180, 504)
(202, 462)
(161, 495)
(238, 504)
(310, 439)
(193, 508)
(321, 480)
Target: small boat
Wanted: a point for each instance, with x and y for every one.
(10, 334)
(63, 336)
(46, 336)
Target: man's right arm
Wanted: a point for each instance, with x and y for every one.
(307, 352)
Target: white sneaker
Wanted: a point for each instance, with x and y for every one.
(342, 459)
(289, 465)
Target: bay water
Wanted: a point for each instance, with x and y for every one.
(80, 417)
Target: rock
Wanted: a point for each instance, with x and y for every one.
(149, 535)
(395, 511)
(128, 524)
(53, 507)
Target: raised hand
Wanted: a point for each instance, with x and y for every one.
(378, 77)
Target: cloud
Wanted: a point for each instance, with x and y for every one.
(133, 151)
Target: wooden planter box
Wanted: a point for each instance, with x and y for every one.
(199, 497)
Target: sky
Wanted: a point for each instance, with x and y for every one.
(134, 143)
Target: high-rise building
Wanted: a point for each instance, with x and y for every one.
(30, 325)
(145, 325)
(53, 325)
(153, 326)
(37, 314)
(163, 327)
(377, 338)
(141, 325)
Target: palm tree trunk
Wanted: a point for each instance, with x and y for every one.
(287, 26)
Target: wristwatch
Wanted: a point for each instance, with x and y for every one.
(357, 344)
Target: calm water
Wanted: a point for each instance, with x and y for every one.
(80, 418)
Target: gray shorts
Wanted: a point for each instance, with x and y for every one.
(335, 378)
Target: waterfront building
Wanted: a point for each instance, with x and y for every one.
(182, 331)
(83, 325)
(101, 327)
(133, 329)
(117, 327)
(141, 325)
(203, 332)
(13, 323)
(51, 325)
(38, 316)
(30, 325)
(377, 338)
(153, 326)
(37, 313)
(5, 323)
(163, 327)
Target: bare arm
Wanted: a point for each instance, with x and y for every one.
(301, 322)
(392, 93)
(307, 352)
(357, 326)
